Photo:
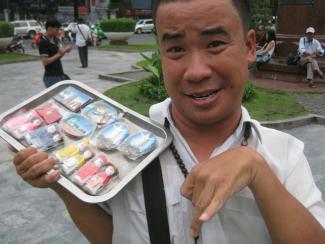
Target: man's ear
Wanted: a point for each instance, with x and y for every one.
(251, 46)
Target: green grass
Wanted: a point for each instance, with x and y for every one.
(268, 105)
(15, 57)
(134, 47)
(129, 96)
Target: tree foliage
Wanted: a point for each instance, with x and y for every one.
(263, 12)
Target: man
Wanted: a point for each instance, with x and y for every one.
(82, 31)
(309, 50)
(51, 54)
(260, 193)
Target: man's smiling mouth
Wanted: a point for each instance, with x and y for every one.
(203, 96)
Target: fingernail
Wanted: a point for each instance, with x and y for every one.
(204, 217)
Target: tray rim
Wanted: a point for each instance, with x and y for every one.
(64, 181)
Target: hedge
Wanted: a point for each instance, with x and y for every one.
(118, 25)
(6, 29)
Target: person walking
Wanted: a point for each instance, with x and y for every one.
(83, 37)
(309, 50)
(51, 54)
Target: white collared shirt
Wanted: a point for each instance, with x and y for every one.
(239, 221)
(82, 34)
(311, 47)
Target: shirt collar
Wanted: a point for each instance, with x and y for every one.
(160, 111)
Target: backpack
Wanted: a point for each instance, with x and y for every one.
(293, 59)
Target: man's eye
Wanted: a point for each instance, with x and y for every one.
(215, 43)
(175, 49)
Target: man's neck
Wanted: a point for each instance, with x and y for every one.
(203, 139)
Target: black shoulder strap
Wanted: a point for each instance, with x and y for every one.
(155, 202)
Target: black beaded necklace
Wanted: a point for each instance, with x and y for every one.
(179, 160)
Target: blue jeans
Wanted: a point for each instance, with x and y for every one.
(263, 58)
(51, 80)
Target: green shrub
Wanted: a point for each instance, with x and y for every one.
(250, 91)
(118, 25)
(150, 89)
(6, 29)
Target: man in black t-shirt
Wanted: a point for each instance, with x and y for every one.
(51, 54)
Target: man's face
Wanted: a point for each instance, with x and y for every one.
(53, 31)
(310, 36)
(205, 57)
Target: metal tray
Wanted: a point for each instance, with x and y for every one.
(128, 169)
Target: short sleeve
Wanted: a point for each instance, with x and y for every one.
(43, 49)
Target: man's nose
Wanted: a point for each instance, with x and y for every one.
(198, 68)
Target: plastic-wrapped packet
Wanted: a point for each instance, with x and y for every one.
(100, 112)
(23, 123)
(138, 144)
(72, 98)
(112, 136)
(45, 138)
(74, 162)
(73, 149)
(101, 179)
(77, 125)
(82, 175)
(49, 113)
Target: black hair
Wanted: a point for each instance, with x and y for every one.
(80, 20)
(242, 6)
(271, 35)
(52, 23)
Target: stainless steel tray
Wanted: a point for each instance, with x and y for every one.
(128, 169)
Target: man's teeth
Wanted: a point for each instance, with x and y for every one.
(203, 96)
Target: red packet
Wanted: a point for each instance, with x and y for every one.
(49, 113)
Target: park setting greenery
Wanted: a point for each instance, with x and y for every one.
(6, 58)
(6, 29)
(118, 25)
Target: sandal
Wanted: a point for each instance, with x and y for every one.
(311, 85)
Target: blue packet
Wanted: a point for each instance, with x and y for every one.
(138, 144)
(112, 136)
(72, 98)
(45, 138)
(100, 112)
(77, 125)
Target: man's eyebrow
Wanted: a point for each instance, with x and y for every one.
(172, 36)
(214, 31)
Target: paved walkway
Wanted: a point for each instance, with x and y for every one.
(32, 216)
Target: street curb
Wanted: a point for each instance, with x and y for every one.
(295, 122)
(118, 76)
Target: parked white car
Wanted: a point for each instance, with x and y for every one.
(144, 25)
(27, 28)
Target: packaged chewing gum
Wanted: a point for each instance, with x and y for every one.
(82, 175)
(100, 112)
(138, 144)
(111, 136)
(72, 98)
(23, 123)
(48, 112)
(77, 125)
(45, 138)
(101, 179)
(73, 149)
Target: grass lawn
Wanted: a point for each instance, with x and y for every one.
(15, 57)
(132, 47)
(268, 105)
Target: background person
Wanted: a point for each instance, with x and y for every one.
(51, 54)
(83, 33)
(309, 50)
(260, 193)
(264, 54)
